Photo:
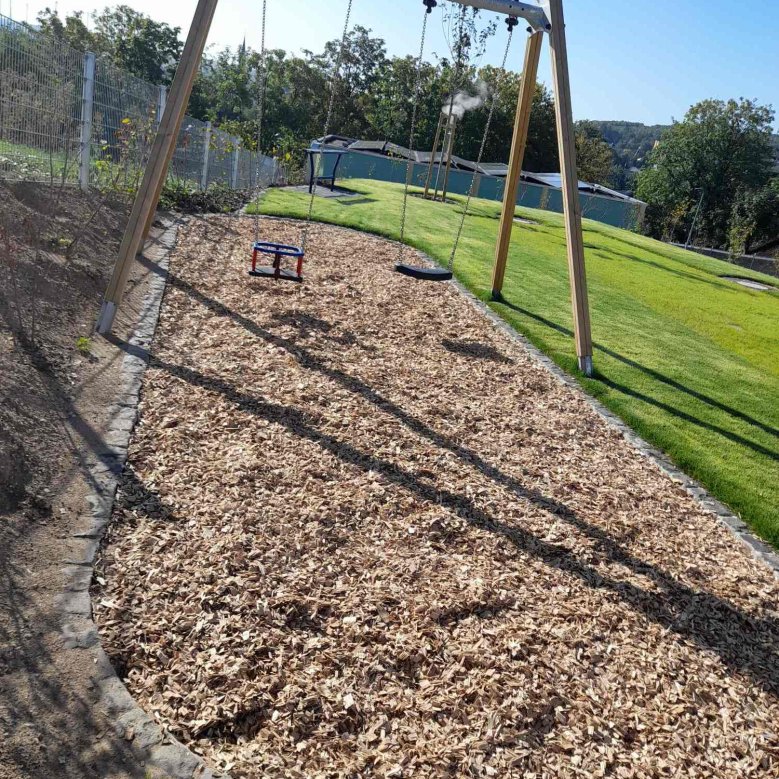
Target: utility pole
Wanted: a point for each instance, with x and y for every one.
(694, 220)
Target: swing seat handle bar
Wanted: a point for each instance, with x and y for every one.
(281, 249)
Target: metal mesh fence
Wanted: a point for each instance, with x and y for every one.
(68, 116)
(221, 158)
(187, 162)
(40, 105)
(123, 123)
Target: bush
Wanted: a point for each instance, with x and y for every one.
(217, 199)
(754, 219)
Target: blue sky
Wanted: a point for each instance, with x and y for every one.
(642, 60)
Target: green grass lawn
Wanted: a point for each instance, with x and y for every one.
(688, 360)
(26, 162)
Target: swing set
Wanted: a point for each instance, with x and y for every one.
(543, 17)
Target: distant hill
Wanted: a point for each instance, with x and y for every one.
(631, 141)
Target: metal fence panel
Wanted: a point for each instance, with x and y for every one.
(221, 155)
(124, 122)
(64, 119)
(40, 105)
(187, 162)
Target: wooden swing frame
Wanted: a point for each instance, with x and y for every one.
(545, 16)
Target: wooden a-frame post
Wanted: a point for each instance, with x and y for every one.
(566, 142)
(148, 194)
(546, 16)
(527, 90)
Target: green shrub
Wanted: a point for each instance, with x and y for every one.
(84, 345)
(754, 219)
(183, 196)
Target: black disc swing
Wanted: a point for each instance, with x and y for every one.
(281, 251)
(424, 273)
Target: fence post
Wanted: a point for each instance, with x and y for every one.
(87, 104)
(236, 159)
(162, 99)
(206, 150)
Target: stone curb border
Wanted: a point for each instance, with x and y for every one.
(758, 548)
(162, 756)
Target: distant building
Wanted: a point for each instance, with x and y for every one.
(388, 161)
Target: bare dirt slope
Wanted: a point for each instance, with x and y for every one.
(53, 403)
(363, 533)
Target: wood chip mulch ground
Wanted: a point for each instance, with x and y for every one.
(363, 534)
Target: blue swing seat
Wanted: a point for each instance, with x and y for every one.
(278, 251)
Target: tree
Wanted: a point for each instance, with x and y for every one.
(391, 102)
(228, 85)
(720, 149)
(466, 37)
(135, 42)
(631, 143)
(362, 60)
(594, 156)
(541, 150)
(72, 31)
(130, 40)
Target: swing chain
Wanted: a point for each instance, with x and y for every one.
(328, 118)
(262, 90)
(414, 113)
(493, 106)
(429, 5)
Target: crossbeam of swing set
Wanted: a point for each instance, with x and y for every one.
(533, 13)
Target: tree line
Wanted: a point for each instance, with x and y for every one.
(716, 166)
(373, 90)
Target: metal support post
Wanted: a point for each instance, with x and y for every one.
(236, 160)
(694, 221)
(206, 156)
(87, 113)
(162, 98)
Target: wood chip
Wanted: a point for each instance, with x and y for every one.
(363, 533)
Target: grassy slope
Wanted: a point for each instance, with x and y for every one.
(691, 362)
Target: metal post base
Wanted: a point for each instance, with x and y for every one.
(585, 365)
(105, 320)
